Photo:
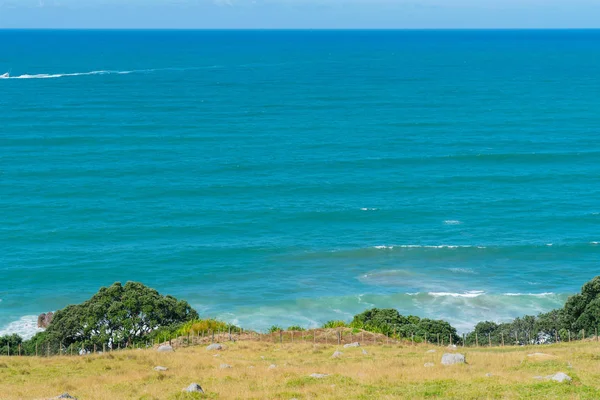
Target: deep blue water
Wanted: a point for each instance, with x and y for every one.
(292, 177)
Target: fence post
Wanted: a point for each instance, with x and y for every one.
(8, 348)
(94, 348)
(583, 334)
(569, 336)
(339, 335)
(464, 339)
(19, 349)
(292, 336)
(502, 336)
(314, 336)
(280, 336)
(596, 334)
(48, 349)
(412, 338)
(476, 340)
(489, 340)
(36, 349)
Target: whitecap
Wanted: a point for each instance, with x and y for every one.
(462, 270)
(368, 209)
(468, 294)
(25, 327)
(545, 294)
(452, 222)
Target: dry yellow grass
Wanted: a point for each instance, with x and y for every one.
(386, 372)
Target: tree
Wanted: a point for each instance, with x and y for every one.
(10, 342)
(117, 315)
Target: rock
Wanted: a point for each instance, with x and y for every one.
(429, 365)
(560, 377)
(160, 369)
(194, 388)
(272, 366)
(364, 352)
(452, 347)
(451, 359)
(488, 375)
(225, 366)
(337, 354)
(214, 346)
(217, 355)
(355, 344)
(44, 320)
(318, 376)
(65, 396)
(569, 366)
(430, 351)
(165, 348)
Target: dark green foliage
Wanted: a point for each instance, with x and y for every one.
(275, 328)
(10, 342)
(390, 322)
(117, 315)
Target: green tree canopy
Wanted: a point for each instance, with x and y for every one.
(117, 315)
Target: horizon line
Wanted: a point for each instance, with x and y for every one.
(301, 29)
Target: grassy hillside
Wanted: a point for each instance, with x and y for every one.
(385, 372)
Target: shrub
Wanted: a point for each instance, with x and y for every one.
(296, 328)
(274, 328)
(334, 324)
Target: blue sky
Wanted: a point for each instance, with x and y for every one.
(403, 14)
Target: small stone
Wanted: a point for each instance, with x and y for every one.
(337, 354)
(430, 351)
(214, 346)
(488, 375)
(451, 359)
(217, 355)
(165, 348)
(355, 344)
(569, 366)
(318, 376)
(194, 388)
(452, 347)
(272, 366)
(429, 365)
(364, 352)
(560, 377)
(538, 378)
(160, 369)
(225, 366)
(66, 396)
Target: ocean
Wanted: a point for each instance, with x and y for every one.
(295, 177)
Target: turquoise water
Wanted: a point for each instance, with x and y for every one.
(295, 177)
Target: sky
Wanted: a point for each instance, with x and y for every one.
(299, 14)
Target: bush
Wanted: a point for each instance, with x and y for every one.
(205, 325)
(296, 328)
(10, 343)
(334, 324)
(275, 328)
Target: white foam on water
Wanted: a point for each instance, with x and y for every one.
(419, 246)
(368, 209)
(546, 294)
(595, 243)
(25, 327)
(462, 271)
(468, 294)
(452, 222)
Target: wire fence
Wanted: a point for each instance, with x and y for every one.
(334, 336)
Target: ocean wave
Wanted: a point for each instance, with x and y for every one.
(25, 327)
(368, 209)
(468, 294)
(452, 222)
(419, 246)
(51, 76)
(462, 271)
(545, 294)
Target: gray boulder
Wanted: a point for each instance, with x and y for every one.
(337, 354)
(318, 376)
(214, 346)
(355, 344)
(451, 359)
(160, 369)
(194, 388)
(560, 377)
(165, 348)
